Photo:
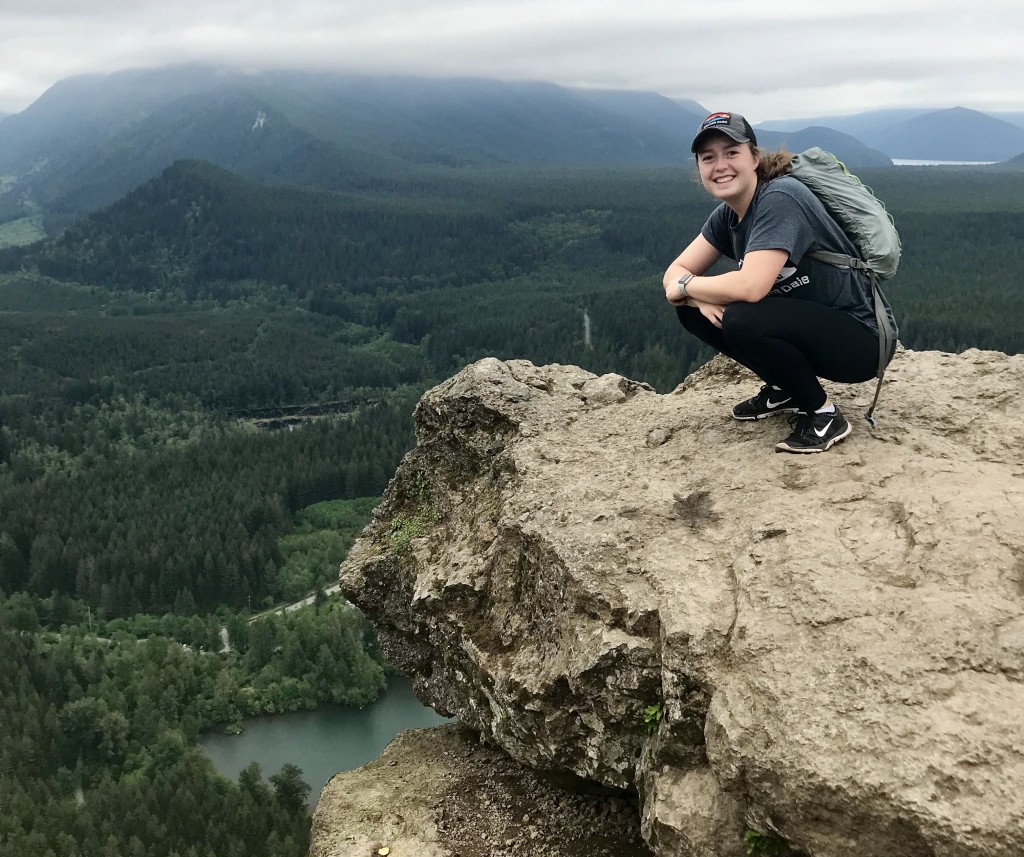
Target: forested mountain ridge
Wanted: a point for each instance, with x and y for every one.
(198, 233)
(237, 131)
(296, 128)
(90, 109)
(197, 226)
(88, 141)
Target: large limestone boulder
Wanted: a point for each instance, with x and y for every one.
(635, 589)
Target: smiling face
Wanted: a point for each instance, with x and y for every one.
(728, 171)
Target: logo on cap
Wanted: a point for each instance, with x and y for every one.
(716, 119)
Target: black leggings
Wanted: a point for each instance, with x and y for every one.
(789, 343)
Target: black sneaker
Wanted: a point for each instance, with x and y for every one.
(770, 400)
(814, 432)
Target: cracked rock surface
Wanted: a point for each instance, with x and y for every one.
(835, 641)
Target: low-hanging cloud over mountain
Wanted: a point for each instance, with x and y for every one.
(768, 61)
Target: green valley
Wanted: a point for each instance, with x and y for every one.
(204, 386)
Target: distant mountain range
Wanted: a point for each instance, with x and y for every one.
(873, 120)
(90, 140)
(956, 134)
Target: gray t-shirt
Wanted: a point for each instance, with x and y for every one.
(786, 215)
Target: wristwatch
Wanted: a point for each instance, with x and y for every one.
(682, 284)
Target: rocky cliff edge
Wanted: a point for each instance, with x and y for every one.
(634, 589)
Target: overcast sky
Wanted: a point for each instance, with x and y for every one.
(765, 59)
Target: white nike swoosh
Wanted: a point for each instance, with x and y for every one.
(769, 403)
(824, 430)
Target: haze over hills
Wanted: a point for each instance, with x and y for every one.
(954, 134)
(854, 125)
(228, 130)
(88, 141)
(874, 120)
(648, 108)
(825, 138)
(1013, 117)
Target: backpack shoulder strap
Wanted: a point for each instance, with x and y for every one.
(840, 260)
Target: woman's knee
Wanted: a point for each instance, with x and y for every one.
(694, 323)
(743, 321)
(691, 319)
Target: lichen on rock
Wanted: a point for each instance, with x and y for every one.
(836, 641)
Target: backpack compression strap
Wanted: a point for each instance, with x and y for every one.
(886, 335)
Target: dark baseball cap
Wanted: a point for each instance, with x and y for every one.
(731, 124)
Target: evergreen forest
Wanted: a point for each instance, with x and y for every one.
(205, 388)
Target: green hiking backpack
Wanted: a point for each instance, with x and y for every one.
(864, 219)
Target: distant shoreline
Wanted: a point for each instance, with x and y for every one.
(913, 162)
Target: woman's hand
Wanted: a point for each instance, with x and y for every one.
(712, 312)
(671, 286)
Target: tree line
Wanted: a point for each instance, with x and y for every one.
(181, 526)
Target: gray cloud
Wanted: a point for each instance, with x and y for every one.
(768, 60)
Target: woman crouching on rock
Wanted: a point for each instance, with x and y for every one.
(788, 318)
